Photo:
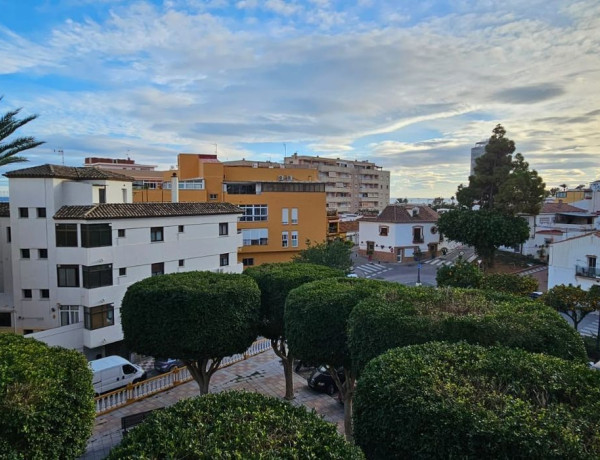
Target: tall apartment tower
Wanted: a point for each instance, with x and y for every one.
(349, 185)
(476, 152)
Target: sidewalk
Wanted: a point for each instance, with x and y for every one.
(262, 373)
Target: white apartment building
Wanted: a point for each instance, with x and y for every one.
(77, 242)
(350, 186)
(575, 261)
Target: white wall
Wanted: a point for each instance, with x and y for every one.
(564, 256)
(399, 236)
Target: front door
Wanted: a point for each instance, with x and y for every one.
(398, 254)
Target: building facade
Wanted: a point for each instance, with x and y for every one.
(282, 208)
(350, 185)
(476, 152)
(77, 242)
(575, 261)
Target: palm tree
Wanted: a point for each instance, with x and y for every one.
(8, 125)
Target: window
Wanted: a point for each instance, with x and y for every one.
(25, 253)
(224, 260)
(285, 216)
(284, 239)
(591, 261)
(544, 220)
(180, 228)
(27, 294)
(157, 269)
(254, 212)
(129, 369)
(8, 235)
(42, 253)
(181, 262)
(294, 215)
(417, 234)
(69, 314)
(121, 233)
(213, 196)
(97, 276)
(102, 195)
(5, 320)
(96, 235)
(41, 212)
(66, 235)
(44, 293)
(383, 230)
(241, 189)
(294, 239)
(122, 271)
(248, 262)
(23, 213)
(156, 234)
(223, 229)
(98, 317)
(68, 275)
(255, 236)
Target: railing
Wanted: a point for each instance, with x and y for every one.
(588, 272)
(134, 392)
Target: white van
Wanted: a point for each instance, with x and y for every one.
(114, 372)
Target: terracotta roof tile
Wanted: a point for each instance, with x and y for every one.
(553, 208)
(403, 214)
(67, 172)
(143, 210)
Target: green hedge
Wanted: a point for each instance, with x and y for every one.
(235, 425)
(419, 315)
(510, 282)
(442, 400)
(46, 400)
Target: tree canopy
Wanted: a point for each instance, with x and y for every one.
(572, 301)
(503, 183)
(441, 400)
(198, 317)
(485, 230)
(46, 400)
(235, 425)
(275, 282)
(334, 254)
(9, 149)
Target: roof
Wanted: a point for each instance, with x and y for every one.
(553, 208)
(67, 172)
(4, 210)
(143, 210)
(403, 214)
(349, 226)
(550, 232)
(595, 233)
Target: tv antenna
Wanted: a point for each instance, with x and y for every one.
(62, 154)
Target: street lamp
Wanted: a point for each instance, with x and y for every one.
(417, 255)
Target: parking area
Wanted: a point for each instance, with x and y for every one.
(262, 373)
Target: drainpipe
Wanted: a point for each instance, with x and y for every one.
(174, 188)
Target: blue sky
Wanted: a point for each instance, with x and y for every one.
(411, 85)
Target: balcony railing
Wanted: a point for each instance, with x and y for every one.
(587, 272)
(418, 240)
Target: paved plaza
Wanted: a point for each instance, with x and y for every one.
(262, 373)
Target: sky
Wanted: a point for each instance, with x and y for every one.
(409, 85)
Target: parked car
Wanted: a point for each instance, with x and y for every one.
(114, 372)
(321, 380)
(163, 365)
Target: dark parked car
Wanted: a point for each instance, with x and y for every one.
(166, 364)
(321, 380)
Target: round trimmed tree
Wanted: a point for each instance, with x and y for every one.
(441, 400)
(46, 400)
(198, 317)
(235, 425)
(420, 315)
(316, 317)
(275, 282)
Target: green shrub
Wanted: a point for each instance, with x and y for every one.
(235, 425)
(442, 400)
(421, 315)
(462, 274)
(510, 282)
(46, 400)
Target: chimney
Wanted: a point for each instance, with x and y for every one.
(174, 188)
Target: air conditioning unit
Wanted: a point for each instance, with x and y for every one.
(280, 178)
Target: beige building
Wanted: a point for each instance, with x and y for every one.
(350, 186)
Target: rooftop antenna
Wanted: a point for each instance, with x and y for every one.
(216, 149)
(62, 155)
(285, 149)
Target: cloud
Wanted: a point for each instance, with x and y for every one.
(529, 94)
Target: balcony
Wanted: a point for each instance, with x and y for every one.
(587, 272)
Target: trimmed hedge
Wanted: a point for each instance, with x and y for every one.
(275, 282)
(510, 282)
(46, 400)
(235, 425)
(420, 315)
(442, 400)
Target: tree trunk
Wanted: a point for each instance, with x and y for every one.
(202, 370)
(347, 395)
(280, 349)
(348, 430)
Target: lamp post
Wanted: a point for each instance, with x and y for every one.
(417, 255)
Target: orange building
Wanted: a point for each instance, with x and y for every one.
(283, 207)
